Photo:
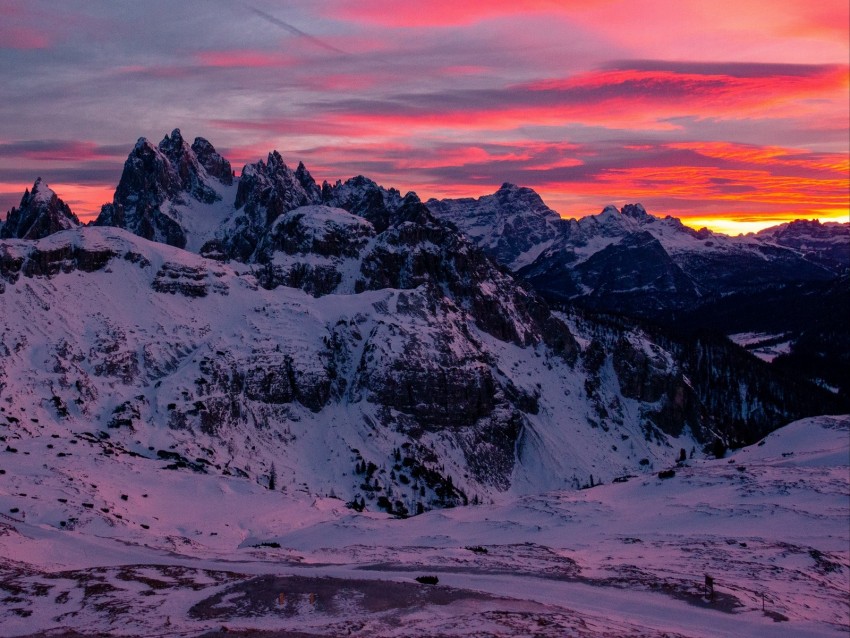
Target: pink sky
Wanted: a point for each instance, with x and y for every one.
(727, 114)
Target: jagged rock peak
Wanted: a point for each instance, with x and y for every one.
(155, 179)
(41, 213)
(630, 216)
(173, 144)
(215, 165)
(272, 183)
(275, 162)
(266, 191)
(636, 211)
(141, 144)
(307, 182)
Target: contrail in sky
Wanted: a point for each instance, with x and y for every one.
(295, 30)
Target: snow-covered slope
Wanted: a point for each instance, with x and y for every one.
(95, 539)
(157, 348)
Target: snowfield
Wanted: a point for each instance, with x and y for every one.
(114, 543)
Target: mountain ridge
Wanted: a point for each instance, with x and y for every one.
(344, 337)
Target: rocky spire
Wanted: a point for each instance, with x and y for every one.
(215, 165)
(156, 178)
(41, 213)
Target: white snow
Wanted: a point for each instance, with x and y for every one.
(201, 221)
(619, 559)
(766, 346)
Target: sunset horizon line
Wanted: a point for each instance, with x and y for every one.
(86, 201)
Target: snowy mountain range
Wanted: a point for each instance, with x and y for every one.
(636, 263)
(323, 330)
(781, 293)
(342, 356)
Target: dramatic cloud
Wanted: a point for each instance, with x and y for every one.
(709, 110)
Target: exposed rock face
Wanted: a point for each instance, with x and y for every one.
(436, 377)
(215, 165)
(41, 213)
(513, 225)
(156, 179)
(266, 191)
(362, 197)
(186, 166)
(48, 260)
(188, 281)
(314, 248)
(649, 375)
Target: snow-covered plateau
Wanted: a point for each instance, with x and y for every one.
(115, 544)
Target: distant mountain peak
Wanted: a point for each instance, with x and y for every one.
(827, 244)
(631, 211)
(41, 213)
(143, 143)
(513, 224)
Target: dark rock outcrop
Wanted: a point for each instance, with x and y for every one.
(155, 179)
(41, 213)
(187, 281)
(266, 191)
(215, 165)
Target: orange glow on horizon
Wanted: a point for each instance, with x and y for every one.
(86, 201)
(749, 224)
